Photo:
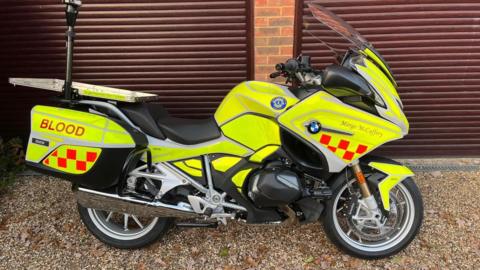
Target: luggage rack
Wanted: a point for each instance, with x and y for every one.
(86, 90)
(73, 90)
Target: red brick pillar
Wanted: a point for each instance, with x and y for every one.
(273, 35)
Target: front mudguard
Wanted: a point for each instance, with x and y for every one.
(381, 173)
(394, 174)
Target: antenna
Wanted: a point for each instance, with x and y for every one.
(71, 12)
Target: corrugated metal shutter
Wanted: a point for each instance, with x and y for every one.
(190, 52)
(433, 48)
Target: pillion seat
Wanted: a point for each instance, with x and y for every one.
(155, 121)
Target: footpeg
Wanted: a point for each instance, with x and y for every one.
(200, 205)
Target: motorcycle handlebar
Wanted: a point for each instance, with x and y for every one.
(275, 74)
(290, 67)
(293, 68)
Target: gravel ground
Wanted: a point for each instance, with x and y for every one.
(40, 228)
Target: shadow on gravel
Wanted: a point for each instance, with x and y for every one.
(40, 228)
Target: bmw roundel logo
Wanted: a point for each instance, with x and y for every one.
(314, 127)
(278, 103)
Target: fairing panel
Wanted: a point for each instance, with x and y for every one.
(346, 133)
(252, 131)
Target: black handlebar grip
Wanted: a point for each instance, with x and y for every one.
(275, 74)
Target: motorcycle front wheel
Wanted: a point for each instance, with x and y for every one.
(122, 230)
(358, 236)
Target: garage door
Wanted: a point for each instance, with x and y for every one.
(189, 52)
(433, 48)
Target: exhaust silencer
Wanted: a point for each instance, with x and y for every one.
(112, 202)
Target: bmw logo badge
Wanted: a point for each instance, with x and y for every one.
(314, 127)
(278, 103)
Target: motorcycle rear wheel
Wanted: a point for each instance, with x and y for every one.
(377, 243)
(122, 230)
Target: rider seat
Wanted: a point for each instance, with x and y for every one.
(155, 121)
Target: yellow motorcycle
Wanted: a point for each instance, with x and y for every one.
(272, 154)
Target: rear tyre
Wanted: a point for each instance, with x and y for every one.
(123, 231)
(359, 239)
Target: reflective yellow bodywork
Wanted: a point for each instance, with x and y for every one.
(253, 97)
(55, 122)
(109, 96)
(347, 127)
(223, 164)
(239, 178)
(56, 126)
(380, 63)
(36, 152)
(192, 167)
(395, 174)
(252, 131)
(386, 89)
(263, 153)
(379, 77)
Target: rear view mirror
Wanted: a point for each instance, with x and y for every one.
(305, 60)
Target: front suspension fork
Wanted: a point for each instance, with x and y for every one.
(364, 189)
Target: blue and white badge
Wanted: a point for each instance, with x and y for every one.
(278, 103)
(314, 127)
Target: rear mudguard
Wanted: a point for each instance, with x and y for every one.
(381, 173)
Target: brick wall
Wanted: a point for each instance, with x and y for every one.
(273, 35)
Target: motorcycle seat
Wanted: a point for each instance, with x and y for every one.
(189, 131)
(155, 121)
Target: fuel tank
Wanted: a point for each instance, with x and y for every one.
(261, 98)
(247, 114)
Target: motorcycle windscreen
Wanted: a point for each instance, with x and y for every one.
(338, 36)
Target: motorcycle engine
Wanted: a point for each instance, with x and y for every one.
(274, 187)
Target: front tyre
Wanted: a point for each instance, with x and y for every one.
(345, 226)
(122, 230)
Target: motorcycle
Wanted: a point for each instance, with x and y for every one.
(273, 154)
